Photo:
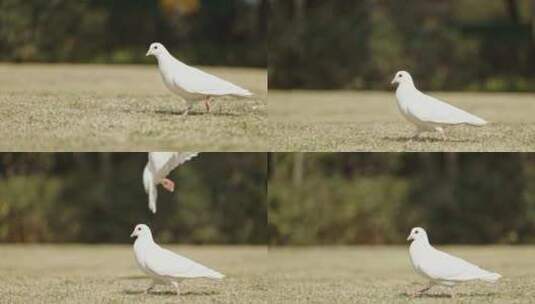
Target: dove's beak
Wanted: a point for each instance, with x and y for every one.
(148, 53)
(133, 234)
(410, 237)
(394, 81)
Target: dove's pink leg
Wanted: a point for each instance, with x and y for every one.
(421, 291)
(168, 184)
(207, 104)
(151, 287)
(176, 287)
(442, 132)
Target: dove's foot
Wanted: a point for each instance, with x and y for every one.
(207, 105)
(177, 288)
(186, 111)
(420, 292)
(151, 287)
(414, 294)
(442, 133)
(168, 184)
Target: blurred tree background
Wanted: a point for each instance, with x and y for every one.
(220, 198)
(375, 198)
(476, 45)
(207, 32)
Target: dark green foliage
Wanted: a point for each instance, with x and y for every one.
(361, 198)
(219, 198)
(120, 31)
(446, 45)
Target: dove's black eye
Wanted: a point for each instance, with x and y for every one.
(139, 229)
(400, 75)
(155, 47)
(415, 232)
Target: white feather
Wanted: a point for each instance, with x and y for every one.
(440, 267)
(159, 165)
(165, 266)
(427, 112)
(190, 83)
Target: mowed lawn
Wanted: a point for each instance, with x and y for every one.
(384, 275)
(370, 121)
(123, 108)
(81, 274)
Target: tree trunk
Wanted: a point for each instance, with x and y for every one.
(533, 21)
(263, 13)
(511, 6)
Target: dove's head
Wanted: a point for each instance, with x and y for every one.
(402, 77)
(156, 49)
(417, 233)
(141, 230)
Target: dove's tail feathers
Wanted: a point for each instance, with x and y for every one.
(201, 271)
(476, 121)
(216, 275)
(490, 277)
(243, 93)
(212, 274)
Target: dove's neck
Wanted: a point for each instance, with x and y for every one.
(407, 85)
(167, 60)
(420, 243)
(144, 241)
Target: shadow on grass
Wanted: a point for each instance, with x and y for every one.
(135, 277)
(407, 139)
(447, 295)
(171, 293)
(194, 113)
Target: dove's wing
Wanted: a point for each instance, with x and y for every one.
(196, 81)
(162, 163)
(153, 196)
(168, 264)
(430, 109)
(442, 266)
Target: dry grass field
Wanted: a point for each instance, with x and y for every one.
(384, 275)
(122, 108)
(370, 121)
(82, 274)
(108, 274)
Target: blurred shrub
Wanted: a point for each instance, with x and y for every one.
(120, 31)
(446, 45)
(375, 198)
(99, 197)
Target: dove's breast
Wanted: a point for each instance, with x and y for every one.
(407, 102)
(168, 77)
(140, 252)
(417, 257)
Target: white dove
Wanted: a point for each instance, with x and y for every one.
(189, 83)
(164, 266)
(441, 268)
(160, 164)
(426, 112)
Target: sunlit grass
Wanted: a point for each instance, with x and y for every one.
(122, 108)
(109, 274)
(370, 121)
(384, 275)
